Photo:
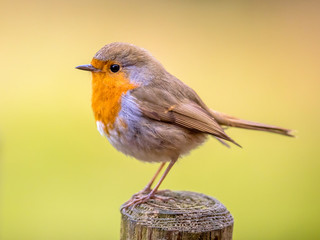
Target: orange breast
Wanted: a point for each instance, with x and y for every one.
(107, 89)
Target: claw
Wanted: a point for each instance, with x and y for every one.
(139, 198)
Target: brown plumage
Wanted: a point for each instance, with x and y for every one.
(147, 113)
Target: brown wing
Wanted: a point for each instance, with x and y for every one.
(158, 105)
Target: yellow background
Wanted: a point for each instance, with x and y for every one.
(258, 60)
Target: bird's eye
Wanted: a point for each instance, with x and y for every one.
(114, 68)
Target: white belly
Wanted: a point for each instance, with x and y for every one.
(151, 144)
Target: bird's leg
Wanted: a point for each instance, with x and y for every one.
(147, 188)
(155, 189)
(144, 198)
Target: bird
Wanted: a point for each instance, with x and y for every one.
(149, 114)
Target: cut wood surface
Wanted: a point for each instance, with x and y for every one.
(187, 215)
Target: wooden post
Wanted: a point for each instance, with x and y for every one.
(186, 216)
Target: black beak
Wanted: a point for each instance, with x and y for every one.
(88, 67)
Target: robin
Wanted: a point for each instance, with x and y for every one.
(147, 113)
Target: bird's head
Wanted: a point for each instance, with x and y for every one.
(125, 60)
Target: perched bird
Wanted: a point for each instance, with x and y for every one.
(149, 114)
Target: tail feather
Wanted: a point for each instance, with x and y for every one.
(231, 121)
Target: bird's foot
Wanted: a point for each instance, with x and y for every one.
(144, 191)
(144, 196)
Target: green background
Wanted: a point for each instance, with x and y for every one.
(258, 60)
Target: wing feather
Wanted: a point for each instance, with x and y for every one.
(185, 113)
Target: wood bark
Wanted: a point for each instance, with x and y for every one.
(185, 216)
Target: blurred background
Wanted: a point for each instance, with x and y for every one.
(256, 60)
